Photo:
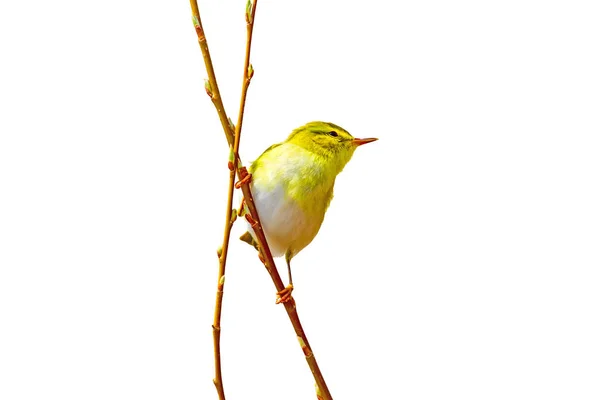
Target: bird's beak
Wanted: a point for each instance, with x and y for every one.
(360, 142)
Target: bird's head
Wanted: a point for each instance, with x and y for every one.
(329, 141)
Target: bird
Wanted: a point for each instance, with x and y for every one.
(292, 186)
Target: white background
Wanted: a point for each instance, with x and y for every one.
(460, 255)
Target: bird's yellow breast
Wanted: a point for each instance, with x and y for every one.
(305, 176)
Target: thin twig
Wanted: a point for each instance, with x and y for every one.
(229, 216)
(213, 91)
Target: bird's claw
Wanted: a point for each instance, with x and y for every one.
(285, 295)
(245, 177)
(250, 220)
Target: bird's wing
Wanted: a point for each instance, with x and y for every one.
(255, 163)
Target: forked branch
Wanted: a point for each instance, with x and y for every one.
(233, 138)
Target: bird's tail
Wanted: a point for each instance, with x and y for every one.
(247, 237)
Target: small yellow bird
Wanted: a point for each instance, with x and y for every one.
(292, 184)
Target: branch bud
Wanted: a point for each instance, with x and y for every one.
(231, 126)
(319, 394)
(199, 31)
(304, 347)
(231, 160)
(219, 251)
(250, 71)
(249, 16)
(250, 220)
(233, 216)
(221, 283)
(208, 88)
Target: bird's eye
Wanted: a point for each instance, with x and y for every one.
(332, 133)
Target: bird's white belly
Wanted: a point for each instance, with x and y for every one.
(285, 224)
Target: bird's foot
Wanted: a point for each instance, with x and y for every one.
(250, 220)
(245, 177)
(285, 295)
